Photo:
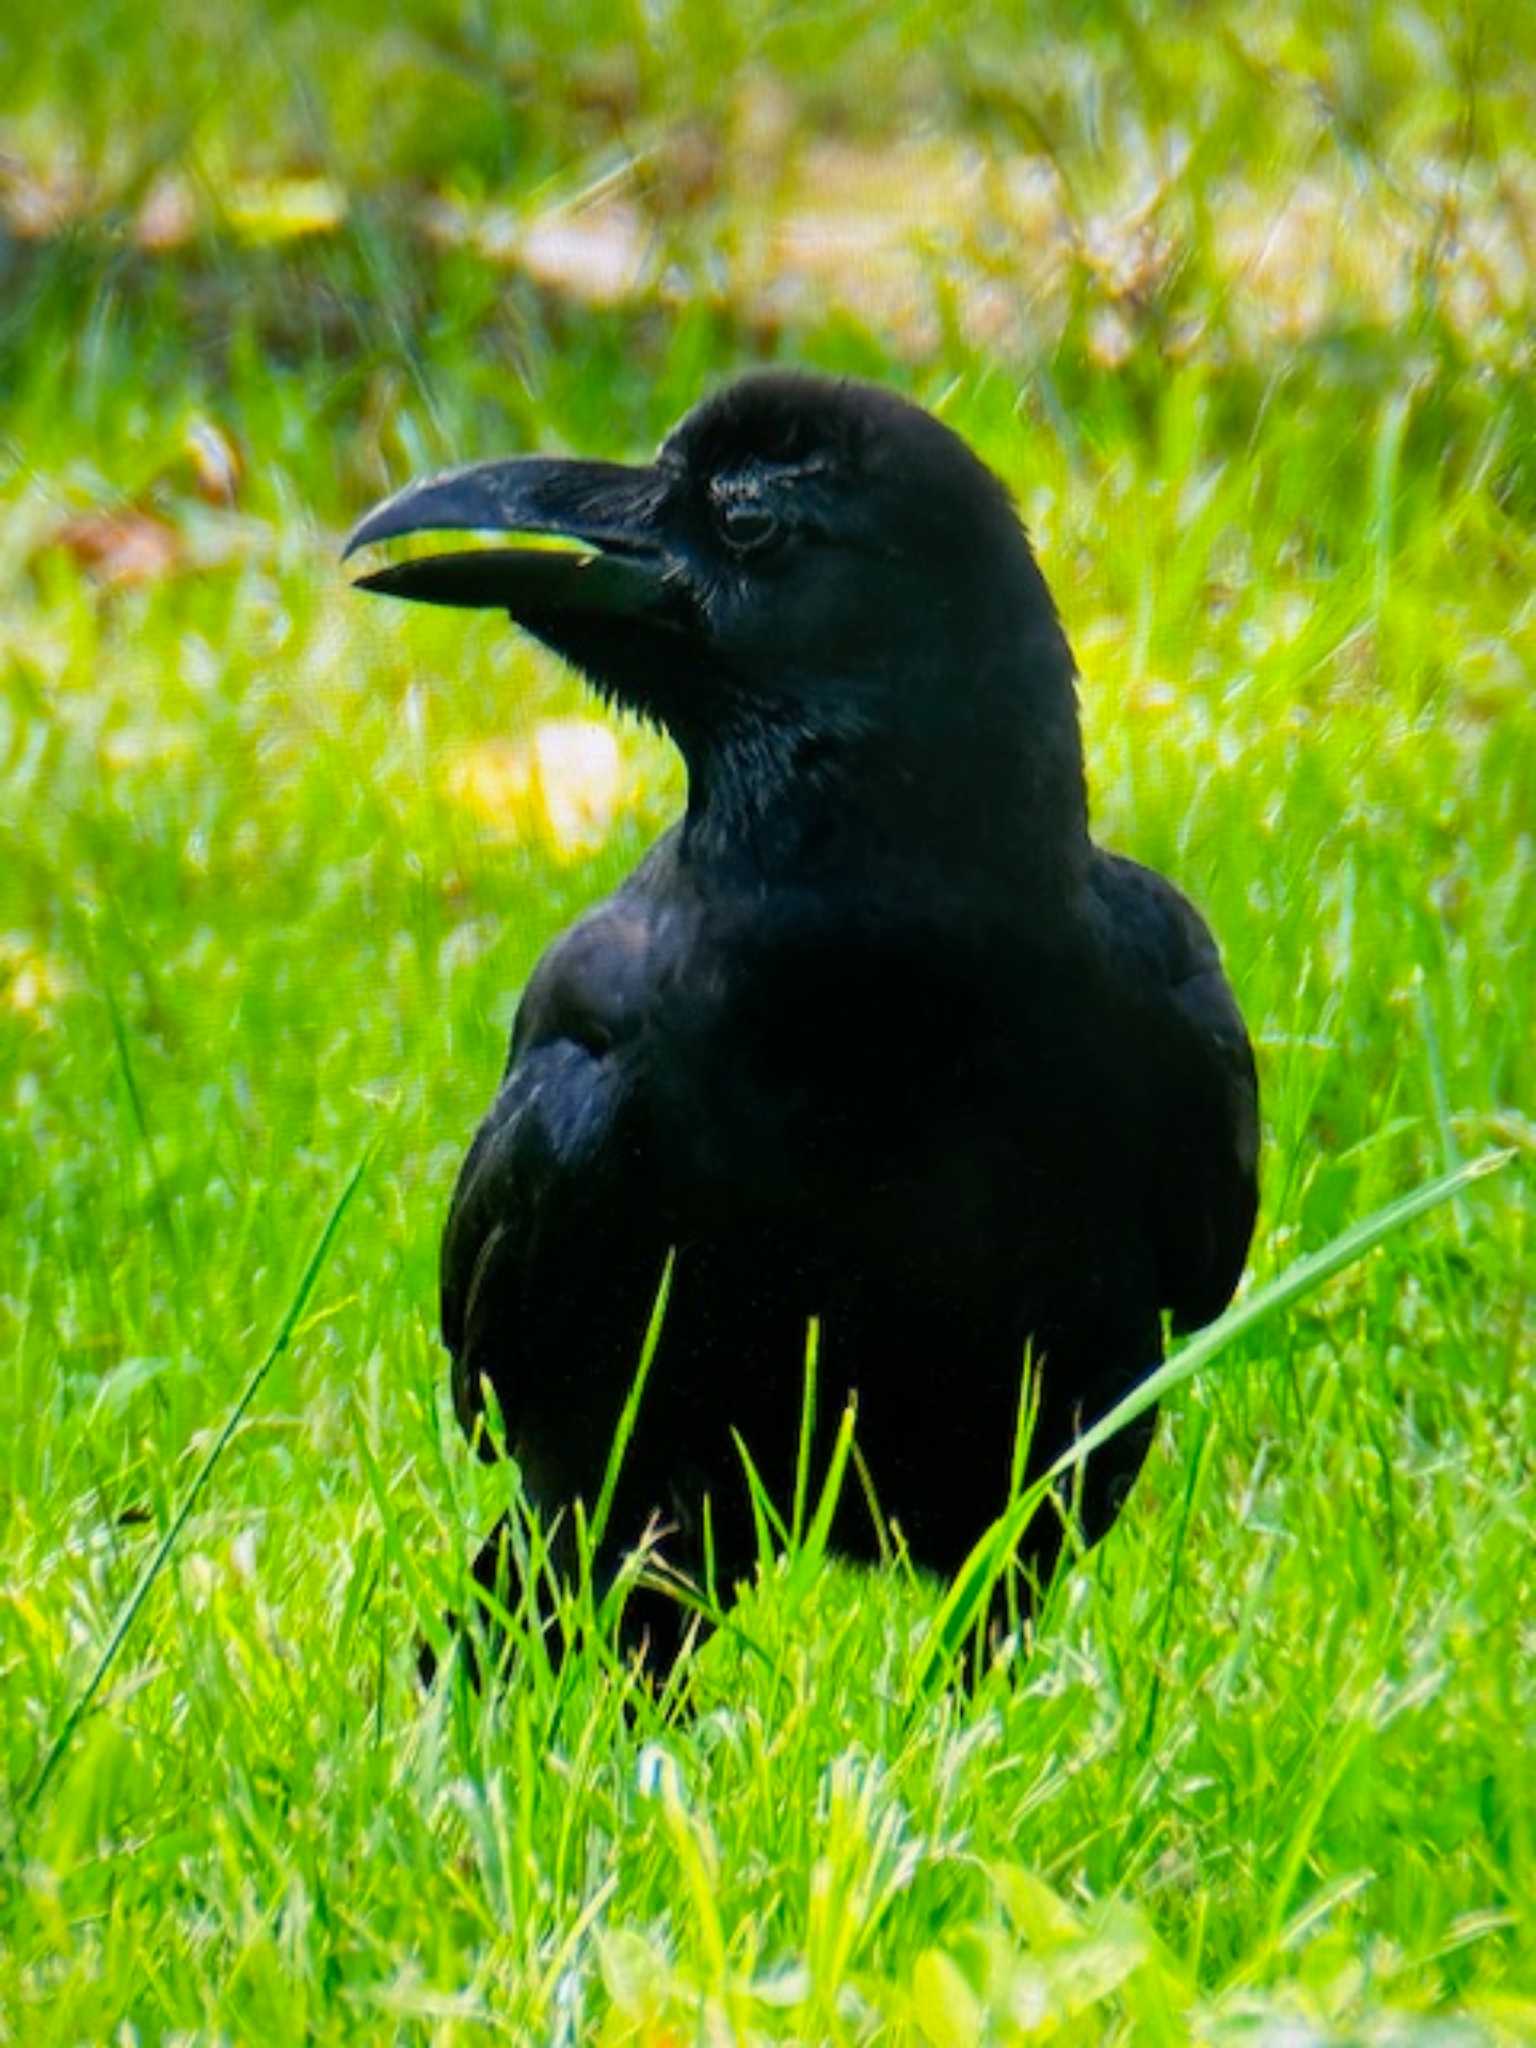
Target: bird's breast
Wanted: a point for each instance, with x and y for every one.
(906, 1104)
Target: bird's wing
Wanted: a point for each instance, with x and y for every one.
(1205, 1171)
(549, 1267)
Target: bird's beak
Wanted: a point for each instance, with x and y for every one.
(621, 570)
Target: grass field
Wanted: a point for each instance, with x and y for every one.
(1241, 306)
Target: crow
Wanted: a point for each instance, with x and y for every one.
(875, 1035)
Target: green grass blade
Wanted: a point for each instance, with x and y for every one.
(769, 1530)
(629, 1413)
(810, 1555)
(313, 1267)
(1293, 1285)
(807, 1426)
(971, 1588)
(165, 1215)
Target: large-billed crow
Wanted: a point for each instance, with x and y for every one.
(875, 1034)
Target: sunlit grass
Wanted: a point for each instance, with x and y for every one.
(275, 861)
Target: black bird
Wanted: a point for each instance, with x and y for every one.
(875, 1034)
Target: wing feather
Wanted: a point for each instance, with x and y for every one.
(1205, 1175)
(549, 1264)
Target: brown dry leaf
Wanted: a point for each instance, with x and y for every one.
(895, 232)
(120, 548)
(597, 255)
(167, 218)
(38, 203)
(215, 461)
(684, 170)
(598, 252)
(856, 224)
(563, 785)
(885, 232)
(1111, 338)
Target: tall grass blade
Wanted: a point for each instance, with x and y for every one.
(625, 1428)
(810, 1555)
(768, 1527)
(312, 1269)
(964, 1603)
(807, 1427)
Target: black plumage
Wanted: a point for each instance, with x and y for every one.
(875, 1034)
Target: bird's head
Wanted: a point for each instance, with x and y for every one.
(805, 561)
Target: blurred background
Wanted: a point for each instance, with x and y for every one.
(455, 225)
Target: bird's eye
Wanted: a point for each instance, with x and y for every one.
(747, 524)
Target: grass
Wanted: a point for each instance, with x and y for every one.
(1240, 307)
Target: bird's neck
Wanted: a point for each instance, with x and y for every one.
(772, 804)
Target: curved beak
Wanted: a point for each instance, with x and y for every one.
(623, 568)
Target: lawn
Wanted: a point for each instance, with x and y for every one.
(1240, 303)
